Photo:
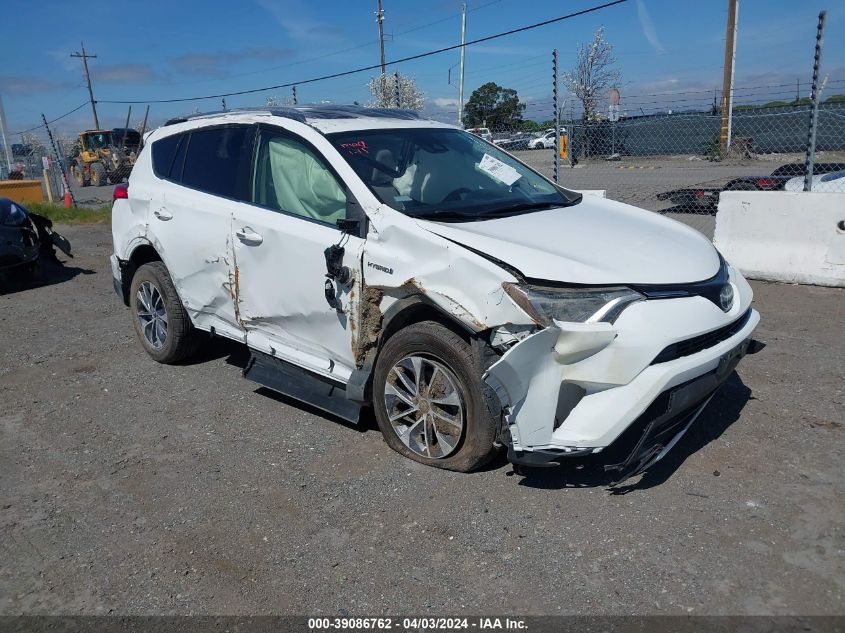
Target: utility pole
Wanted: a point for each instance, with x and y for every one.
(461, 83)
(728, 77)
(380, 20)
(85, 57)
(3, 136)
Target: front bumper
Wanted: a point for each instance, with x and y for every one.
(600, 380)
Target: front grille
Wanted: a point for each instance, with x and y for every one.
(701, 342)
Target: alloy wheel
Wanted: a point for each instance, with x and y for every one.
(425, 406)
(152, 315)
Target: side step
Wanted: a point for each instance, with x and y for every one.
(300, 384)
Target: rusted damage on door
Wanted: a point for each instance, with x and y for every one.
(402, 259)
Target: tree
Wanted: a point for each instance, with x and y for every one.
(383, 89)
(835, 99)
(493, 106)
(593, 74)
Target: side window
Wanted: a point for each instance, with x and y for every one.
(164, 151)
(217, 160)
(291, 177)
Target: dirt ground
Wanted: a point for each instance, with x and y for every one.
(130, 487)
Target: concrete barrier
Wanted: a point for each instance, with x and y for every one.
(784, 236)
(22, 190)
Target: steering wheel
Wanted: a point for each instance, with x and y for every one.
(456, 194)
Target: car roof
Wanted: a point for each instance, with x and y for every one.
(326, 118)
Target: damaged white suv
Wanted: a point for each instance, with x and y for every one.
(369, 257)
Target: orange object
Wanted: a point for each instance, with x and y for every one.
(564, 145)
(67, 198)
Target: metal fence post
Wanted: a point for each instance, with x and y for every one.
(814, 106)
(398, 93)
(59, 160)
(557, 116)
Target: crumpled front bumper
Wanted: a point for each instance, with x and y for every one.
(573, 389)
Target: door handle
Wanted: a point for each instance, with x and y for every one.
(248, 236)
(163, 214)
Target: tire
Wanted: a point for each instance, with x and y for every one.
(152, 287)
(98, 174)
(448, 366)
(79, 176)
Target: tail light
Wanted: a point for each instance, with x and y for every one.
(121, 191)
(767, 183)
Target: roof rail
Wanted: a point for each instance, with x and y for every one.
(288, 113)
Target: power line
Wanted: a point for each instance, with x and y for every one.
(373, 67)
(58, 118)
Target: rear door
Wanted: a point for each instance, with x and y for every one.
(191, 219)
(279, 254)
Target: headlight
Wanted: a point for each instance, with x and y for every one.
(12, 214)
(572, 304)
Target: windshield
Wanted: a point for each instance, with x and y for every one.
(446, 174)
(97, 141)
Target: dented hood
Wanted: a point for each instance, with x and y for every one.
(597, 241)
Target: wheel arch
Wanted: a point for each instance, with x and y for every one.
(143, 253)
(401, 314)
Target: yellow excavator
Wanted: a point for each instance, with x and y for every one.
(101, 157)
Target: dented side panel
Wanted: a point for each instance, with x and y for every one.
(281, 289)
(401, 259)
(191, 231)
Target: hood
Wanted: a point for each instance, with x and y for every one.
(597, 241)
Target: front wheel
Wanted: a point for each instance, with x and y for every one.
(160, 319)
(430, 402)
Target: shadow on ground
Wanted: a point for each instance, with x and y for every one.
(48, 273)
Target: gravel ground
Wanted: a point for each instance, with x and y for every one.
(131, 487)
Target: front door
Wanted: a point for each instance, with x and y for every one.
(279, 242)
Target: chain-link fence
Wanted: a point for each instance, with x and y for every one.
(674, 163)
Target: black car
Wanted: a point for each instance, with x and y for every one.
(25, 238)
(707, 198)
(777, 180)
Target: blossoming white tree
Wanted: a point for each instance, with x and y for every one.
(384, 91)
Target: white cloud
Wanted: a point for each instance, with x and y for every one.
(444, 102)
(648, 27)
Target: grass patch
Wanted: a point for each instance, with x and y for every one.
(75, 215)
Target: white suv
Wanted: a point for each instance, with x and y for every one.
(368, 257)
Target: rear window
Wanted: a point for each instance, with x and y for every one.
(164, 151)
(218, 161)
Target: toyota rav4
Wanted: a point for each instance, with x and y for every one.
(372, 258)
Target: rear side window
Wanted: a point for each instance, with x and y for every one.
(164, 151)
(218, 161)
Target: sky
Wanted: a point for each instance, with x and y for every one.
(670, 52)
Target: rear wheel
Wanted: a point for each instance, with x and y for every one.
(160, 319)
(98, 174)
(430, 401)
(79, 175)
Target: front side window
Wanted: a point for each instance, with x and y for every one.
(290, 177)
(217, 160)
(446, 174)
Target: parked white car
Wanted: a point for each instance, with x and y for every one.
(833, 182)
(483, 132)
(374, 258)
(544, 141)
